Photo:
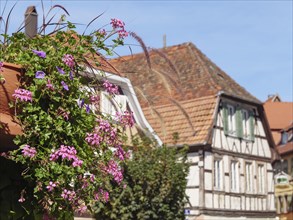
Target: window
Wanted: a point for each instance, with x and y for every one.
(248, 177)
(284, 137)
(261, 178)
(234, 176)
(238, 122)
(245, 122)
(218, 174)
(231, 119)
(111, 105)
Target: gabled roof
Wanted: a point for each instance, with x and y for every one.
(177, 88)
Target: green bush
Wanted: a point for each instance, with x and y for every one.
(156, 182)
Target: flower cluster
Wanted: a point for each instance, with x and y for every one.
(118, 24)
(49, 85)
(114, 169)
(110, 88)
(121, 154)
(51, 186)
(125, 119)
(68, 194)
(68, 59)
(95, 99)
(23, 95)
(102, 133)
(29, 151)
(66, 152)
(102, 194)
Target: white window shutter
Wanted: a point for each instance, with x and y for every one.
(120, 103)
(106, 105)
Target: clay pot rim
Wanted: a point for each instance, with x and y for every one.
(12, 65)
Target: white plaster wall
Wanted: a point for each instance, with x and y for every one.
(227, 202)
(193, 195)
(259, 128)
(243, 203)
(217, 138)
(193, 176)
(247, 203)
(192, 157)
(208, 181)
(221, 201)
(208, 161)
(216, 201)
(208, 200)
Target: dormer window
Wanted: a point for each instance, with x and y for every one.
(110, 105)
(238, 121)
(284, 138)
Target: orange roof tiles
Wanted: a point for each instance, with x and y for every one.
(192, 127)
(279, 114)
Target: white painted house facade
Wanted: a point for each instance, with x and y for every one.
(233, 177)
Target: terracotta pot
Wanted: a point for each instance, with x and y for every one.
(9, 127)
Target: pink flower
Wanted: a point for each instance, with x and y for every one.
(81, 209)
(28, 151)
(49, 85)
(126, 119)
(120, 153)
(23, 95)
(68, 59)
(67, 194)
(103, 133)
(103, 194)
(66, 153)
(117, 23)
(51, 186)
(115, 171)
(95, 99)
(122, 34)
(110, 88)
(22, 199)
(102, 32)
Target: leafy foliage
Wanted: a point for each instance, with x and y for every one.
(155, 189)
(69, 153)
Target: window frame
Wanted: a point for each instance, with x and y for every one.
(231, 119)
(234, 178)
(249, 179)
(261, 180)
(218, 174)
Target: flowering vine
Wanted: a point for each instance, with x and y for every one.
(66, 148)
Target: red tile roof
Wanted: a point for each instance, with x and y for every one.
(176, 81)
(279, 114)
(192, 126)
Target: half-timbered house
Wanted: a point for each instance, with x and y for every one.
(188, 100)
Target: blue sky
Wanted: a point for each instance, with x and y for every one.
(250, 40)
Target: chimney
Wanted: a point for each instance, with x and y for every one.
(31, 21)
(164, 41)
